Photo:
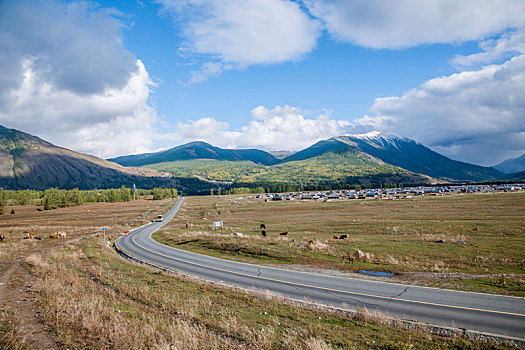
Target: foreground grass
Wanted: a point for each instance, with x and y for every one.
(483, 233)
(94, 299)
(76, 222)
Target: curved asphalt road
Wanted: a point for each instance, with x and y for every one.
(474, 311)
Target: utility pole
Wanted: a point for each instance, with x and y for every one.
(134, 190)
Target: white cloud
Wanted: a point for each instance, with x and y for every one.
(280, 128)
(244, 32)
(405, 23)
(508, 45)
(69, 79)
(209, 70)
(475, 116)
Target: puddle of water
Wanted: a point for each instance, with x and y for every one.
(377, 273)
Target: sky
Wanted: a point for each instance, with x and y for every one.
(113, 78)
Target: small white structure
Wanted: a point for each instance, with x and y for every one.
(217, 224)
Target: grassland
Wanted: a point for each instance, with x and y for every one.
(83, 295)
(484, 236)
(74, 221)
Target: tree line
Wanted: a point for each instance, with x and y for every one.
(53, 198)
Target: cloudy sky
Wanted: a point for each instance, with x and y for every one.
(119, 77)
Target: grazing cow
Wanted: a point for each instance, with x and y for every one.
(284, 233)
(263, 226)
(358, 255)
(309, 245)
(61, 234)
(2, 237)
(344, 236)
(502, 280)
(335, 237)
(263, 232)
(475, 229)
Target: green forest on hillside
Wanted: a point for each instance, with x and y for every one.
(328, 171)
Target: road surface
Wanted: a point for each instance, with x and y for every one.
(495, 314)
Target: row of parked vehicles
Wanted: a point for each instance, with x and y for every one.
(393, 193)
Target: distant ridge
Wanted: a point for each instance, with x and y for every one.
(512, 165)
(28, 162)
(197, 150)
(402, 152)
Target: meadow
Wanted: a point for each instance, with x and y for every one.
(483, 237)
(78, 293)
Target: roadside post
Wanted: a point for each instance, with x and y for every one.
(104, 229)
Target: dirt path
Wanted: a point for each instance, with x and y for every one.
(18, 290)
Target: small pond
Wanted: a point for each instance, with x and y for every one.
(377, 273)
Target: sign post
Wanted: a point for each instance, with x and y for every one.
(217, 224)
(104, 229)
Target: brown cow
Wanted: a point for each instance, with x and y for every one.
(358, 255)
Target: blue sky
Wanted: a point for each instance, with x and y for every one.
(120, 77)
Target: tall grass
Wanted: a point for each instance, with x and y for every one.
(93, 299)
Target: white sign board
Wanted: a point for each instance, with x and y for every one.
(217, 224)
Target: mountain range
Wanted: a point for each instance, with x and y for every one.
(372, 159)
(197, 150)
(375, 146)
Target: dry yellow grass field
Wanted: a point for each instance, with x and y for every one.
(81, 294)
(484, 236)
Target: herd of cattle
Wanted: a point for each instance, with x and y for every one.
(31, 235)
(392, 193)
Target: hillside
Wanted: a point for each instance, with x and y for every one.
(401, 152)
(519, 176)
(336, 170)
(328, 170)
(512, 165)
(27, 161)
(197, 150)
